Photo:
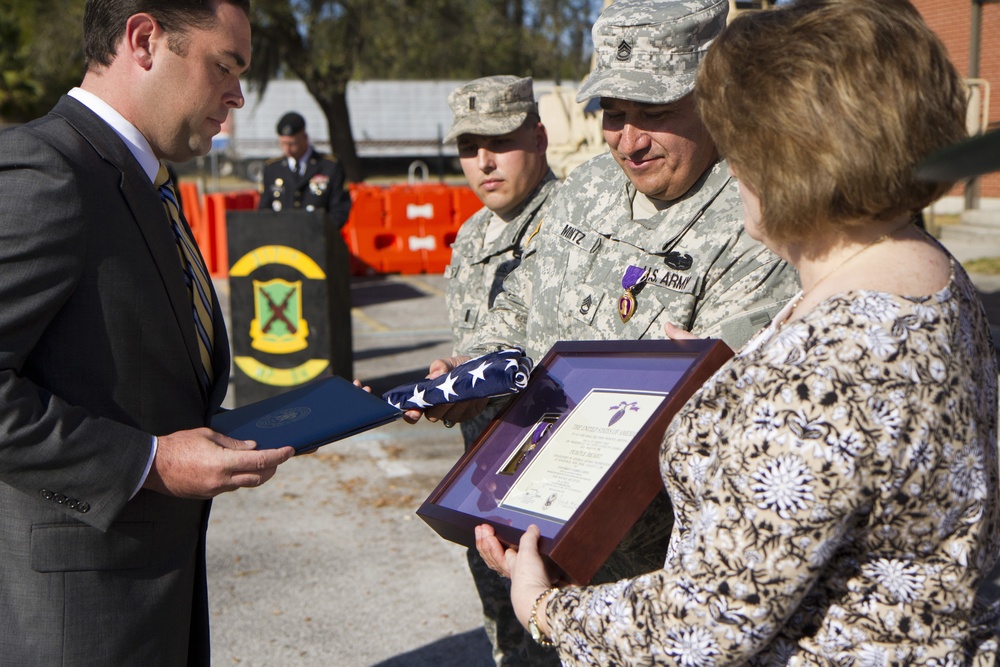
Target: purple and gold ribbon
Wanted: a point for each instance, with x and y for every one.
(626, 302)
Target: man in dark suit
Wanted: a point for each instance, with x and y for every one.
(303, 179)
(106, 466)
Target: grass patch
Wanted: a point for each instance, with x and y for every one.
(986, 265)
(942, 220)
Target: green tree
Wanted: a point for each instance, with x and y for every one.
(327, 43)
(41, 55)
(317, 42)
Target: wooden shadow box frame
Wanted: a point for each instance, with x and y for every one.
(577, 541)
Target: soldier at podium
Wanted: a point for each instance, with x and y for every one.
(303, 179)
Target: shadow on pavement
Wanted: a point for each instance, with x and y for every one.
(371, 353)
(469, 649)
(377, 289)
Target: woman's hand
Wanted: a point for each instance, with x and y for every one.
(491, 551)
(528, 579)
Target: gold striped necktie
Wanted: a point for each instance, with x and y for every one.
(195, 275)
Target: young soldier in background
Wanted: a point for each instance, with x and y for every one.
(501, 145)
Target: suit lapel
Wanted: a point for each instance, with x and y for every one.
(150, 216)
(220, 356)
(151, 219)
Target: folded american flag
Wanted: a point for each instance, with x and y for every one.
(494, 374)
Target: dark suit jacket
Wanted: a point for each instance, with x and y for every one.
(321, 186)
(97, 352)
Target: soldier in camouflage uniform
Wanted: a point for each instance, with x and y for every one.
(501, 146)
(647, 235)
(661, 201)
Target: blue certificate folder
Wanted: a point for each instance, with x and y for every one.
(314, 414)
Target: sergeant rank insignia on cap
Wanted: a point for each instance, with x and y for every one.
(624, 51)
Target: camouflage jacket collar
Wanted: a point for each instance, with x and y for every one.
(660, 232)
(515, 230)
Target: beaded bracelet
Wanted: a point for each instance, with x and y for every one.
(536, 632)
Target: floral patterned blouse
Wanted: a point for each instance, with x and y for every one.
(836, 499)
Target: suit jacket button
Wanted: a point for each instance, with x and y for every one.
(48, 495)
(60, 498)
(83, 507)
(72, 503)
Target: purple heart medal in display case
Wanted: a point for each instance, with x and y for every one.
(577, 451)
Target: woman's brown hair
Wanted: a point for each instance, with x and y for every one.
(825, 107)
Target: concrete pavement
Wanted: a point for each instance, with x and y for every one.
(327, 565)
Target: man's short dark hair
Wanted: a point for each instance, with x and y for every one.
(104, 22)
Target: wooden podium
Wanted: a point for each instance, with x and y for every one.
(289, 287)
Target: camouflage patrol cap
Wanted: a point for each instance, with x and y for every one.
(649, 50)
(491, 106)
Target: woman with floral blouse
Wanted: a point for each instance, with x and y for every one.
(835, 484)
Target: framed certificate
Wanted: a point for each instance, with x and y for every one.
(576, 452)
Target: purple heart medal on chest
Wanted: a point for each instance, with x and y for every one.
(626, 302)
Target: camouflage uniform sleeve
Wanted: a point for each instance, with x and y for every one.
(745, 284)
(752, 288)
(462, 283)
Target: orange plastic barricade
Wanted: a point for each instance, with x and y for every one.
(365, 233)
(421, 216)
(215, 251)
(360, 194)
(191, 203)
(405, 228)
(437, 259)
(213, 240)
(465, 203)
(194, 213)
(442, 228)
